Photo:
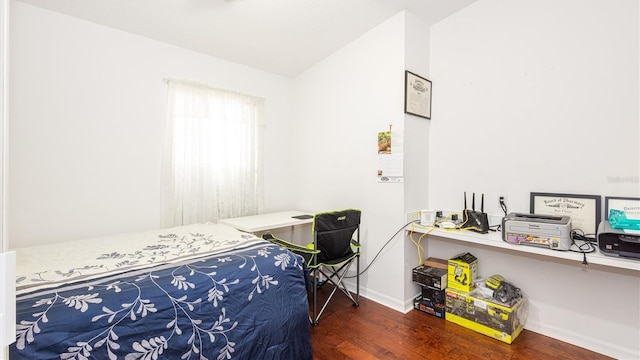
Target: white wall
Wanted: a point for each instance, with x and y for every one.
(535, 96)
(542, 96)
(341, 104)
(7, 318)
(4, 103)
(416, 145)
(86, 124)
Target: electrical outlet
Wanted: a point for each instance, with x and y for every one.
(427, 217)
(502, 202)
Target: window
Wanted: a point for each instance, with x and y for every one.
(212, 164)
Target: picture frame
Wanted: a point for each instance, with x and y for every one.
(584, 210)
(417, 95)
(621, 203)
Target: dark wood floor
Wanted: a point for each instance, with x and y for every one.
(373, 331)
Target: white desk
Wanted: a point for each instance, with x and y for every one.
(257, 223)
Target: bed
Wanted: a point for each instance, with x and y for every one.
(202, 291)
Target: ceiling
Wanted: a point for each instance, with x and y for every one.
(278, 36)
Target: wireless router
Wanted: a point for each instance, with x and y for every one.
(477, 221)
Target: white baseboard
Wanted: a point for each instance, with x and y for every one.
(383, 299)
(587, 342)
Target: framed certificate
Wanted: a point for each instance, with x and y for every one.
(417, 95)
(630, 205)
(584, 210)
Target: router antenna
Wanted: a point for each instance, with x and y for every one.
(473, 202)
(465, 200)
(482, 204)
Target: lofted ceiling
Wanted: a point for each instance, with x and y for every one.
(278, 36)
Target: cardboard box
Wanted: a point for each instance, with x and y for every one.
(437, 310)
(482, 314)
(432, 295)
(436, 263)
(430, 276)
(462, 271)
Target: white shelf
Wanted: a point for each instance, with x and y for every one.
(494, 239)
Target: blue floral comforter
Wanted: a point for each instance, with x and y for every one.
(245, 303)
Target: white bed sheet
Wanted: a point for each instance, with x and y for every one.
(41, 266)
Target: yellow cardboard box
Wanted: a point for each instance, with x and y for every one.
(482, 314)
(462, 271)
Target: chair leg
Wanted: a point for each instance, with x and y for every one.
(314, 320)
(336, 273)
(337, 284)
(357, 303)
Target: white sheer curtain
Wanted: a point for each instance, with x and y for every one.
(212, 163)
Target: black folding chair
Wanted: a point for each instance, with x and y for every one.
(336, 236)
(336, 244)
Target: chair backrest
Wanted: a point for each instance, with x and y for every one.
(333, 232)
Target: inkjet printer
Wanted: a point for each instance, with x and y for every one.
(618, 242)
(549, 231)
